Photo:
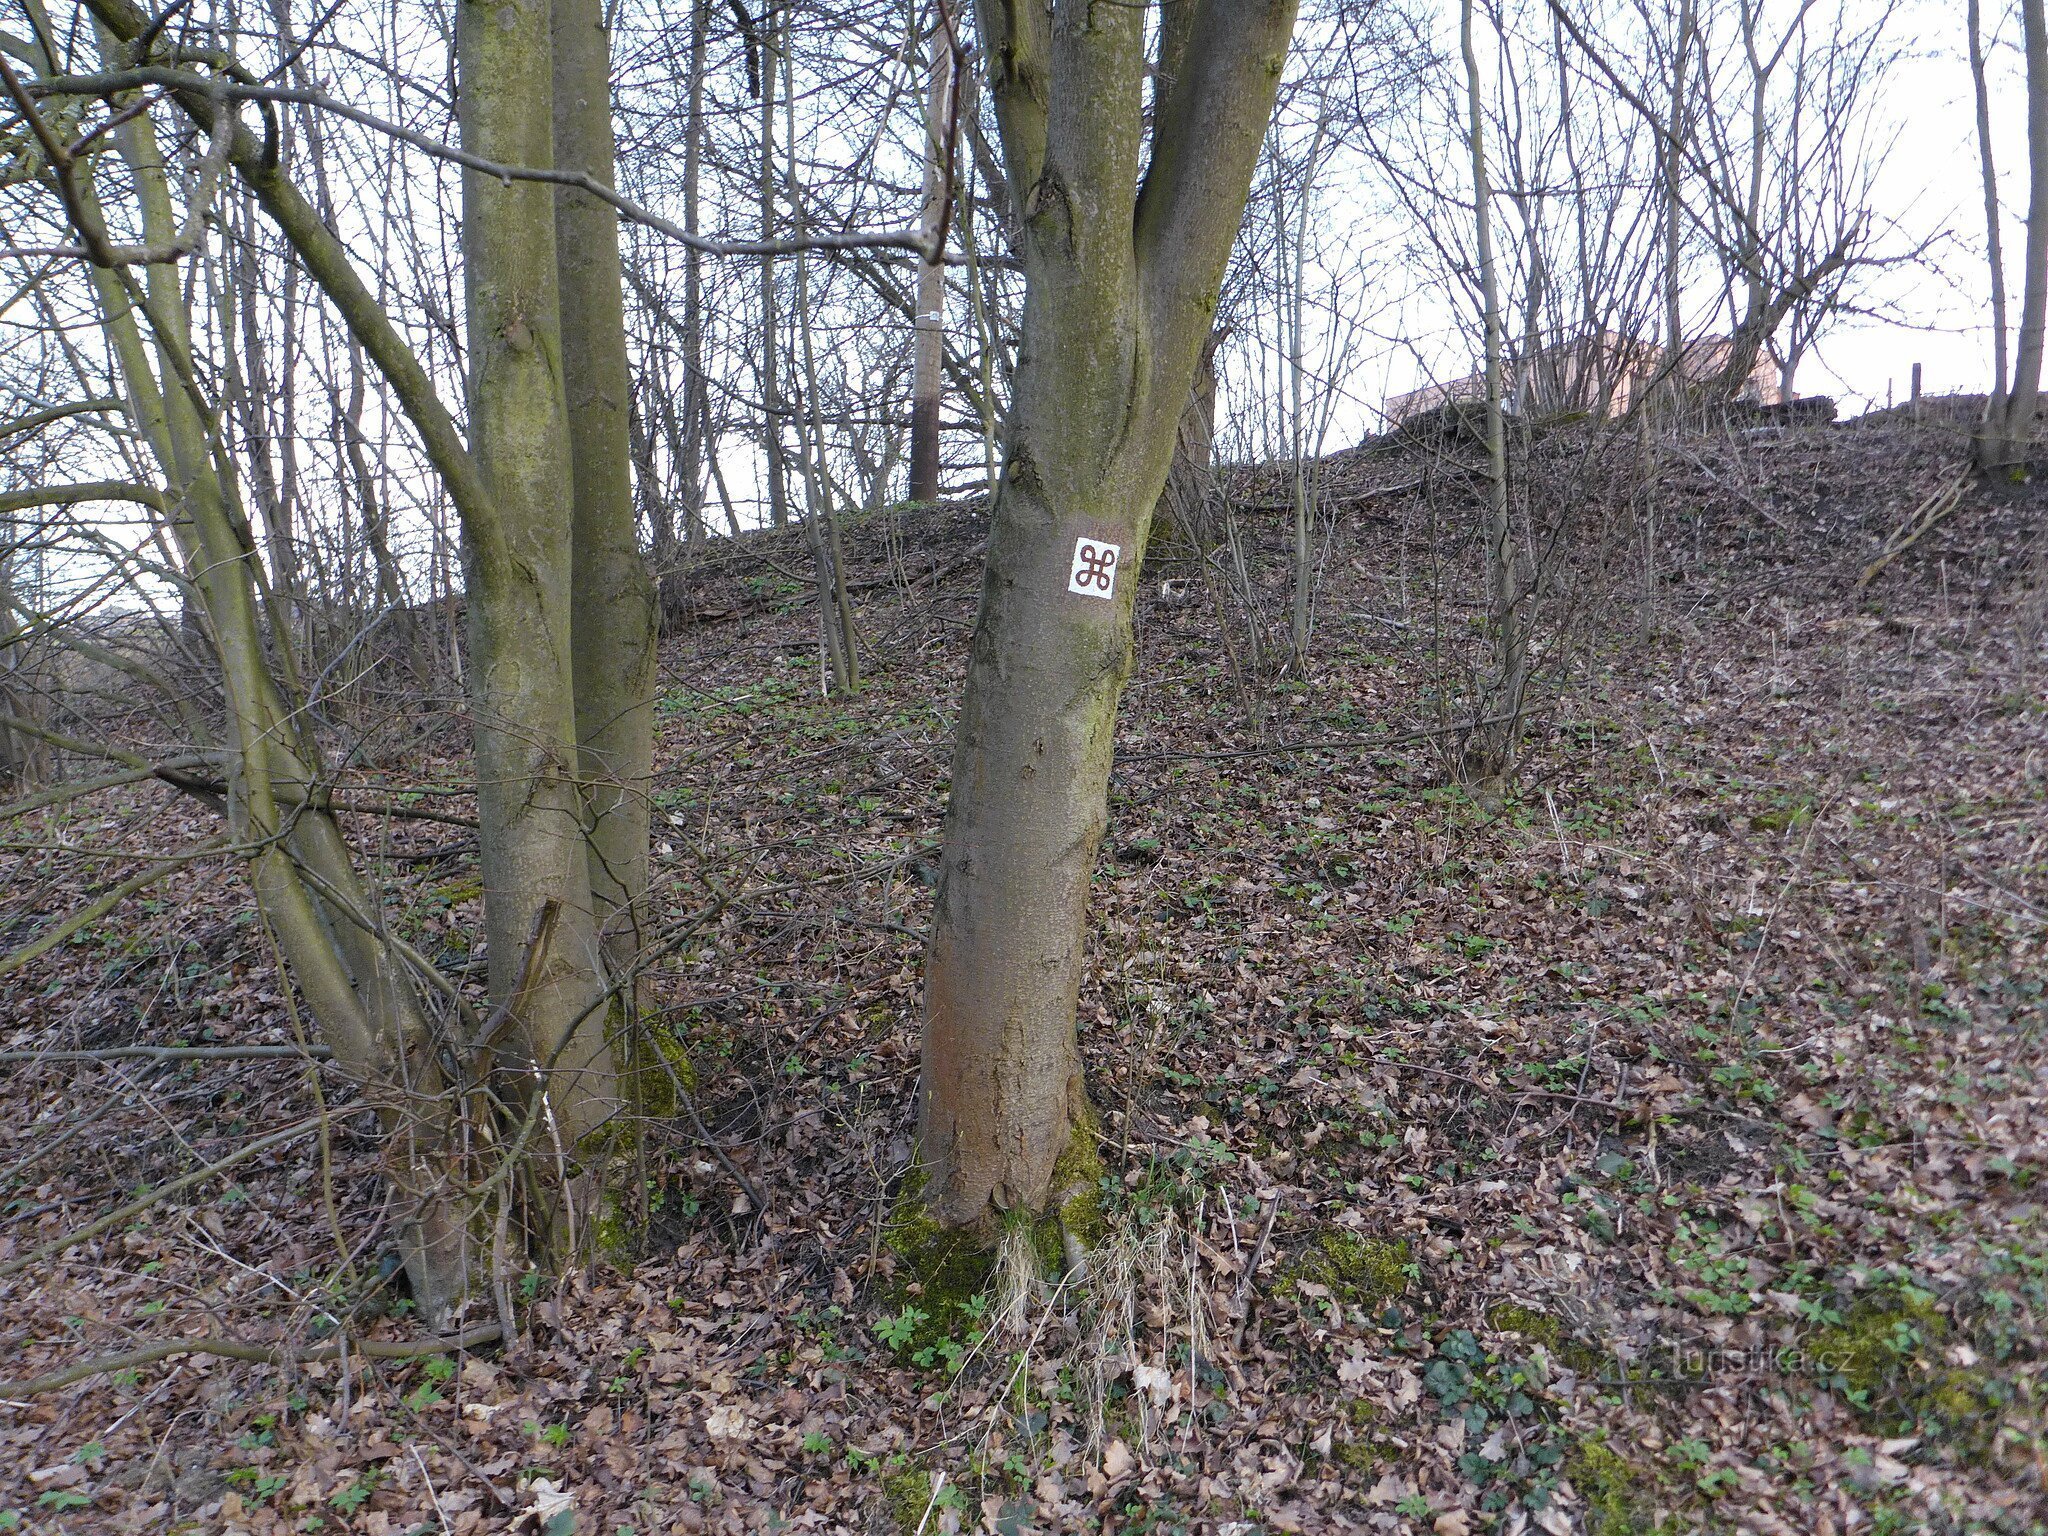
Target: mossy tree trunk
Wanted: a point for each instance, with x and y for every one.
(519, 506)
(1121, 279)
(356, 986)
(534, 851)
(613, 614)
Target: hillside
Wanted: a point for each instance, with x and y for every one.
(1660, 1136)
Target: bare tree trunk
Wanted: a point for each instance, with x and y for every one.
(533, 848)
(1994, 241)
(690, 464)
(773, 41)
(647, 484)
(1674, 229)
(390, 588)
(358, 990)
(1118, 302)
(1184, 504)
(929, 349)
(613, 617)
(2008, 442)
(1532, 385)
(1302, 609)
(15, 748)
(820, 530)
(1498, 730)
(254, 398)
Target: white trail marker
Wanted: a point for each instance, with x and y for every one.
(1094, 572)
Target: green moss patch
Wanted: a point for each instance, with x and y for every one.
(1620, 1500)
(908, 1494)
(939, 1275)
(658, 1064)
(1887, 1357)
(1540, 1327)
(1873, 1351)
(1076, 1200)
(1535, 1326)
(942, 1273)
(1357, 1271)
(455, 892)
(1366, 1455)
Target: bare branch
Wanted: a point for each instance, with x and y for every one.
(220, 89)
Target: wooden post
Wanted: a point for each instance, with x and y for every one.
(1916, 392)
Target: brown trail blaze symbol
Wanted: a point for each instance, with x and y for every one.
(1094, 569)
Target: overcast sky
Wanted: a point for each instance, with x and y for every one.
(1932, 187)
(1409, 325)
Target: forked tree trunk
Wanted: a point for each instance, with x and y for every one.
(511, 491)
(1118, 301)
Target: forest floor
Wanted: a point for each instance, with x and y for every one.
(1657, 1145)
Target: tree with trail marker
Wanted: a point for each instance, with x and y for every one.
(1123, 257)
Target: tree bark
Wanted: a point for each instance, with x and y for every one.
(613, 619)
(533, 848)
(1500, 703)
(2008, 442)
(1118, 301)
(1994, 241)
(929, 343)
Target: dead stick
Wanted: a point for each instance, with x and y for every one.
(259, 1354)
(1241, 1302)
(135, 1208)
(1933, 510)
(176, 1053)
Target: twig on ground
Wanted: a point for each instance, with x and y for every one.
(157, 1196)
(1943, 501)
(175, 1053)
(1241, 1302)
(258, 1354)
